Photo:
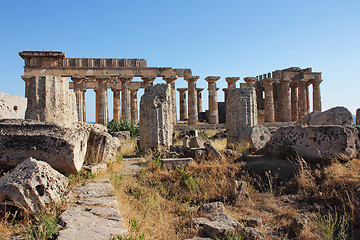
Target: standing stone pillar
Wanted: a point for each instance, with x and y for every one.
(78, 90)
(134, 108)
(357, 116)
(125, 98)
(213, 105)
(307, 97)
(225, 90)
(250, 81)
(294, 102)
(96, 105)
(269, 100)
(192, 101)
(199, 99)
(148, 80)
(316, 95)
(171, 80)
(231, 82)
(116, 109)
(302, 98)
(285, 100)
(84, 104)
(103, 117)
(183, 108)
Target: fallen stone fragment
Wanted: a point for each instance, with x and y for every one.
(252, 221)
(333, 116)
(239, 191)
(315, 143)
(219, 224)
(196, 142)
(32, 184)
(253, 234)
(210, 208)
(255, 137)
(213, 152)
(122, 135)
(299, 224)
(173, 163)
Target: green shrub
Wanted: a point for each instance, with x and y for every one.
(124, 125)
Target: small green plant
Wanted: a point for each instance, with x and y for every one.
(80, 177)
(203, 135)
(133, 223)
(156, 162)
(333, 226)
(238, 235)
(141, 237)
(124, 125)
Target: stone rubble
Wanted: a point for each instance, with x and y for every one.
(333, 116)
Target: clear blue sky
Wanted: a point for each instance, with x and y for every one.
(224, 38)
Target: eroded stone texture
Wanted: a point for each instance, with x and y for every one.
(32, 184)
(63, 148)
(241, 112)
(50, 100)
(333, 116)
(299, 224)
(156, 126)
(12, 106)
(315, 143)
(255, 137)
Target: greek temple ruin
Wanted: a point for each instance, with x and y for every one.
(281, 96)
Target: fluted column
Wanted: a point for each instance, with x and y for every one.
(213, 105)
(199, 99)
(250, 81)
(125, 98)
(226, 91)
(183, 108)
(134, 106)
(103, 117)
(116, 109)
(307, 97)
(231, 82)
(294, 102)
(285, 100)
(269, 100)
(302, 98)
(78, 90)
(171, 80)
(316, 95)
(192, 101)
(148, 80)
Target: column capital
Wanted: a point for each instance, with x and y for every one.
(192, 78)
(225, 90)
(285, 82)
(125, 79)
(316, 81)
(25, 77)
(182, 90)
(115, 90)
(250, 79)
(212, 79)
(268, 81)
(199, 90)
(300, 81)
(293, 84)
(232, 79)
(170, 79)
(148, 78)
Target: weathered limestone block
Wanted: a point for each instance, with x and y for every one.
(253, 234)
(196, 142)
(12, 106)
(239, 190)
(122, 135)
(101, 146)
(255, 138)
(213, 152)
(315, 142)
(156, 128)
(333, 116)
(241, 112)
(299, 224)
(32, 184)
(210, 208)
(63, 148)
(50, 100)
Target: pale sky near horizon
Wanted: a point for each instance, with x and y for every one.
(221, 38)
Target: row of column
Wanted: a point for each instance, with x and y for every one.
(294, 99)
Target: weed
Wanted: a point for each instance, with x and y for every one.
(333, 224)
(80, 177)
(124, 125)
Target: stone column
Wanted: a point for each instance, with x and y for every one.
(171, 80)
(269, 100)
(78, 90)
(225, 90)
(302, 98)
(232, 82)
(96, 105)
(294, 102)
(250, 81)
(357, 116)
(316, 95)
(84, 105)
(213, 105)
(192, 101)
(183, 108)
(307, 97)
(199, 99)
(134, 107)
(125, 98)
(116, 109)
(148, 80)
(285, 100)
(101, 93)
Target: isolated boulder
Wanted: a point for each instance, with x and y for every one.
(333, 116)
(32, 184)
(315, 143)
(63, 148)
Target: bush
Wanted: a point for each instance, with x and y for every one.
(123, 125)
